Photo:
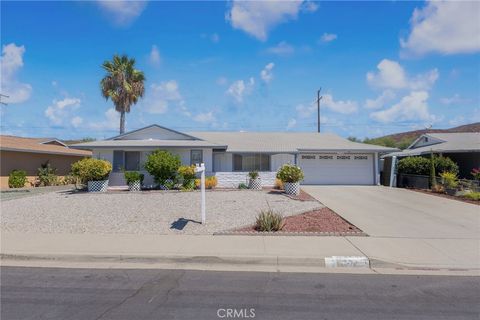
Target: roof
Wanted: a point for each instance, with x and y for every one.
(38, 145)
(289, 142)
(447, 142)
(267, 142)
(147, 143)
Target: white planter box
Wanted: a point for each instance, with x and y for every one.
(97, 186)
(134, 186)
(292, 188)
(255, 184)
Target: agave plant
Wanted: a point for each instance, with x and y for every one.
(268, 220)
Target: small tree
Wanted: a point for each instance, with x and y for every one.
(47, 175)
(162, 165)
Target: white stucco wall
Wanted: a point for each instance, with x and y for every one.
(233, 179)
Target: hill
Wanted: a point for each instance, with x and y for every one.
(402, 140)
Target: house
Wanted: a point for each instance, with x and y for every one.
(29, 154)
(462, 147)
(324, 157)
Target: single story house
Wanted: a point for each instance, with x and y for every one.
(462, 147)
(28, 154)
(325, 158)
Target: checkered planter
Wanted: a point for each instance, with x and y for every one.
(97, 186)
(292, 188)
(255, 184)
(134, 186)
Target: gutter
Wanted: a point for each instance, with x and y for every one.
(46, 152)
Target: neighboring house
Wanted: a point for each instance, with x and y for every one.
(29, 154)
(463, 148)
(325, 158)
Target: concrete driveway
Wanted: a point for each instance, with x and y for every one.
(394, 212)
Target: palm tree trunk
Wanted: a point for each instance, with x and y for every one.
(122, 122)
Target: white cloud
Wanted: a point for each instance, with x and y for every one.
(340, 106)
(11, 62)
(267, 73)
(240, 88)
(413, 107)
(206, 117)
(305, 111)
(328, 37)
(392, 75)
(455, 99)
(60, 110)
(291, 123)
(154, 56)
(257, 18)
(161, 95)
(281, 49)
(446, 27)
(76, 121)
(123, 12)
(111, 122)
(380, 101)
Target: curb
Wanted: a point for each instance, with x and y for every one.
(266, 261)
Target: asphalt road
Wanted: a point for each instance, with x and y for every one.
(47, 293)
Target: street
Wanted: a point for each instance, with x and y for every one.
(63, 293)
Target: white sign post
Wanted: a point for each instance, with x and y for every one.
(201, 168)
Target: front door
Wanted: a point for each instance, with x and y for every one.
(118, 160)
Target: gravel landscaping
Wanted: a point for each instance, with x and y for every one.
(143, 212)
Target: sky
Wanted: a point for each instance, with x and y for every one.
(383, 67)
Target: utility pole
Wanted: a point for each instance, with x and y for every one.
(319, 97)
(3, 96)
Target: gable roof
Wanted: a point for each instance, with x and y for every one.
(445, 143)
(38, 145)
(126, 134)
(267, 142)
(289, 142)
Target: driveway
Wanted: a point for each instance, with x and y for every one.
(394, 212)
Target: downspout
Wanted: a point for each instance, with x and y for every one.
(393, 175)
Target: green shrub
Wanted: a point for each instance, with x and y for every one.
(422, 165)
(242, 186)
(47, 175)
(449, 179)
(472, 196)
(17, 179)
(253, 174)
(475, 173)
(290, 173)
(69, 179)
(90, 169)
(133, 176)
(268, 220)
(162, 165)
(187, 175)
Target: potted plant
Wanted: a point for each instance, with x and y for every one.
(134, 180)
(255, 182)
(291, 176)
(450, 182)
(93, 172)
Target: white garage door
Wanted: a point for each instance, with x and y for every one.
(322, 168)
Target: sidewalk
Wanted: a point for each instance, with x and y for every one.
(255, 253)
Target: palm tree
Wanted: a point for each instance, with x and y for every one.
(123, 84)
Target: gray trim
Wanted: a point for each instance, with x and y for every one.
(151, 126)
(46, 152)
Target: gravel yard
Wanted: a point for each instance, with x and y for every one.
(143, 212)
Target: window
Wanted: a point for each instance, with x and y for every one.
(343, 157)
(132, 160)
(360, 158)
(196, 156)
(309, 157)
(251, 162)
(325, 157)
